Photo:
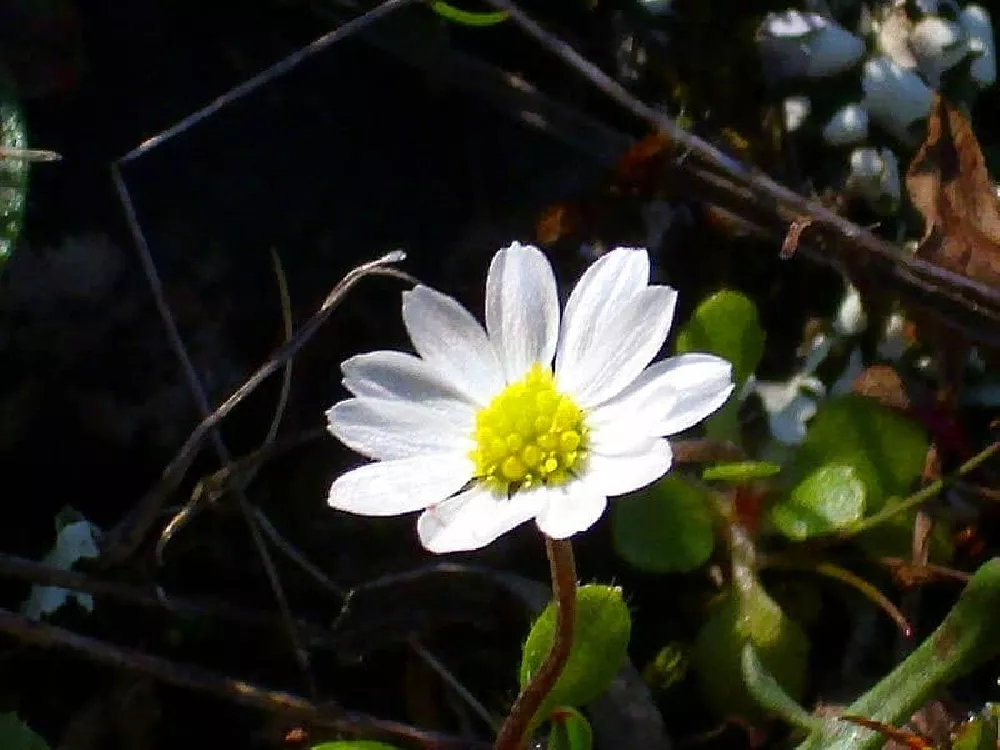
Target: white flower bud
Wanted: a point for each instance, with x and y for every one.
(851, 319)
(848, 125)
(895, 98)
(874, 176)
(795, 109)
(938, 45)
(975, 21)
(806, 44)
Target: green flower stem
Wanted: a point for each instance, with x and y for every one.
(563, 568)
(467, 17)
(919, 498)
(966, 639)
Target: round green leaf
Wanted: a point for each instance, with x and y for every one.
(753, 617)
(353, 745)
(570, 730)
(600, 643)
(739, 472)
(726, 324)
(886, 449)
(825, 501)
(664, 527)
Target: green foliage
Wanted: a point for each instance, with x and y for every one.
(16, 735)
(665, 527)
(770, 695)
(885, 448)
(353, 745)
(740, 472)
(726, 324)
(751, 617)
(467, 17)
(830, 498)
(966, 639)
(570, 730)
(13, 174)
(980, 733)
(600, 643)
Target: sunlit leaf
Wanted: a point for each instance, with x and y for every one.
(725, 324)
(570, 730)
(885, 448)
(600, 642)
(825, 501)
(738, 472)
(664, 527)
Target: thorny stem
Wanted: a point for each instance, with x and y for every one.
(563, 568)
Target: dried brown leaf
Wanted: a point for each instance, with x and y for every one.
(948, 183)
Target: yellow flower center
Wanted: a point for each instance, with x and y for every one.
(529, 434)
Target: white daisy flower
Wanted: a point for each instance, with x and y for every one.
(533, 417)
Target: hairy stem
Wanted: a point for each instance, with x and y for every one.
(563, 568)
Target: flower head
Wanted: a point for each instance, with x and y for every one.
(536, 417)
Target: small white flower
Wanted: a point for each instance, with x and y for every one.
(894, 97)
(796, 44)
(874, 175)
(533, 417)
(975, 21)
(850, 319)
(74, 541)
(796, 110)
(848, 125)
(938, 45)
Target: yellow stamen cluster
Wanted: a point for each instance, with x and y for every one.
(530, 434)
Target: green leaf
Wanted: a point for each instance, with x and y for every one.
(886, 448)
(13, 175)
(824, 502)
(726, 324)
(16, 735)
(740, 472)
(570, 730)
(353, 745)
(769, 694)
(665, 527)
(600, 643)
(748, 616)
(980, 733)
(467, 17)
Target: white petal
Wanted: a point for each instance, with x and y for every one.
(446, 335)
(395, 375)
(621, 473)
(389, 488)
(619, 347)
(606, 286)
(473, 519)
(390, 429)
(522, 309)
(571, 508)
(667, 397)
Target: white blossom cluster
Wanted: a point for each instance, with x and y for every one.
(900, 50)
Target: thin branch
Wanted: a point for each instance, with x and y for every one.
(125, 539)
(957, 300)
(236, 691)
